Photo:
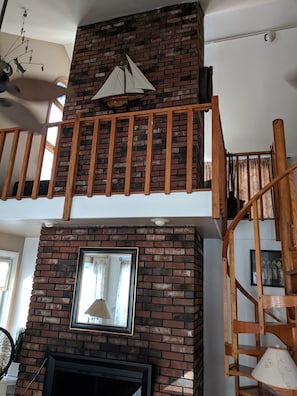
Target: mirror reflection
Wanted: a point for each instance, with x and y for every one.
(105, 290)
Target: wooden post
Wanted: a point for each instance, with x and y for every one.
(285, 223)
(285, 212)
(216, 207)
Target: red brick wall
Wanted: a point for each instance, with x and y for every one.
(169, 307)
(167, 45)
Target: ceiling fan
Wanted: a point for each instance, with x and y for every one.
(30, 89)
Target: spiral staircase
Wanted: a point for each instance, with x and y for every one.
(245, 340)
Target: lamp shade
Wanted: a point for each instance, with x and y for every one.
(99, 309)
(276, 368)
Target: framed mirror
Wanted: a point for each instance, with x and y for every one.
(105, 288)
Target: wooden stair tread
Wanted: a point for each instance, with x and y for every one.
(253, 327)
(256, 391)
(240, 370)
(251, 350)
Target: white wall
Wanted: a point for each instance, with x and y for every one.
(11, 242)
(215, 382)
(249, 78)
(24, 286)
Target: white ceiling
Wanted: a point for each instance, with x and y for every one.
(56, 20)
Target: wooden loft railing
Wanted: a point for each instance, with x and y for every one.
(102, 155)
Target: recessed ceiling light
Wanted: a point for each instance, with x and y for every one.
(159, 221)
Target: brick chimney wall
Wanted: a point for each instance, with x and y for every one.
(167, 45)
(169, 307)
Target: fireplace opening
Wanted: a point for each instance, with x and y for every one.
(72, 375)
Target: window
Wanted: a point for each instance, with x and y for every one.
(55, 114)
(5, 266)
(8, 268)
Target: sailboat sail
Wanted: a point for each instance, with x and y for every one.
(130, 85)
(139, 79)
(114, 85)
(123, 82)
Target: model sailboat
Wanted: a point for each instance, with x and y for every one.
(124, 84)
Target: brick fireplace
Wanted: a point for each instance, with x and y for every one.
(167, 44)
(168, 316)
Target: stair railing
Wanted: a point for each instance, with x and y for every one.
(232, 287)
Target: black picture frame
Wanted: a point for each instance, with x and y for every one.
(272, 269)
(112, 261)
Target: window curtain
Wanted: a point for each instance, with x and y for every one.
(253, 174)
(122, 299)
(257, 173)
(95, 275)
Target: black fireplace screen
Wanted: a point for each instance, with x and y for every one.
(71, 375)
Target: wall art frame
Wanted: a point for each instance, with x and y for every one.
(272, 269)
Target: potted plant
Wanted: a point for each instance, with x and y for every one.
(14, 367)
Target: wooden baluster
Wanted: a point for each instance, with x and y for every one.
(248, 177)
(10, 165)
(2, 142)
(129, 155)
(35, 189)
(226, 310)
(72, 168)
(110, 164)
(233, 295)
(258, 259)
(260, 186)
(189, 165)
(149, 153)
(91, 178)
(294, 207)
(25, 164)
(51, 186)
(237, 183)
(168, 153)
